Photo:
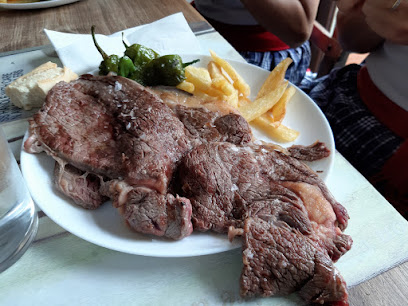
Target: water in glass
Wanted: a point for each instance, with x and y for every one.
(18, 216)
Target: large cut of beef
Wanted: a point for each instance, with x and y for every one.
(171, 164)
(123, 133)
(227, 184)
(279, 260)
(286, 213)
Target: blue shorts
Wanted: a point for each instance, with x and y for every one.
(268, 60)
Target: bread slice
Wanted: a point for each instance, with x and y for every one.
(30, 90)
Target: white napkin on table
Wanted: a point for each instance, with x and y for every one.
(170, 35)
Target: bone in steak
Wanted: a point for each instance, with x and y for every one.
(169, 164)
(120, 131)
(124, 133)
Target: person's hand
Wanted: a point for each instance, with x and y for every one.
(391, 24)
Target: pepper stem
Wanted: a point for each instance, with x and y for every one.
(104, 55)
(126, 46)
(190, 63)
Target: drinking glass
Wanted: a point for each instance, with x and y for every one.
(18, 215)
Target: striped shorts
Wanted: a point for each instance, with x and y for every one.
(268, 60)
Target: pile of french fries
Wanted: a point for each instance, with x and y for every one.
(220, 81)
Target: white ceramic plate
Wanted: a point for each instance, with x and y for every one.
(35, 5)
(106, 228)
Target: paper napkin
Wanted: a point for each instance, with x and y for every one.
(170, 35)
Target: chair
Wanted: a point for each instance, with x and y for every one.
(326, 50)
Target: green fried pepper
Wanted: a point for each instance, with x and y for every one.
(140, 54)
(137, 75)
(144, 65)
(109, 63)
(126, 67)
(165, 70)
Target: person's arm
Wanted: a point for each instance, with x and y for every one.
(290, 20)
(363, 25)
(391, 24)
(354, 34)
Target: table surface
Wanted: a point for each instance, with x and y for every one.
(78, 17)
(23, 29)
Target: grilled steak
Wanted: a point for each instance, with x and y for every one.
(279, 260)
(150, 138)
(124, 134)
(149, 212)
(315, 151)
(284, 208)
(73, 126)
(207, 122)
(204, 125)
(170, 165)
(82, 187)
(222, 180)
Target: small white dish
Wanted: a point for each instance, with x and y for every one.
(35, 5)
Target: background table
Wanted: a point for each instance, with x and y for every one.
(23, 29)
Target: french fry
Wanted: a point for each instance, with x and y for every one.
(275, 77)
(278, 111)
(239, 82)
(232, 99)
(243, 101)
(214, 70)
(199, 76)
(281, 133)
(219, 80)
(260, 106)
(214, 92)
(186, 86)
(224, 85)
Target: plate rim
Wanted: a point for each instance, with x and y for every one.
(35, 5)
